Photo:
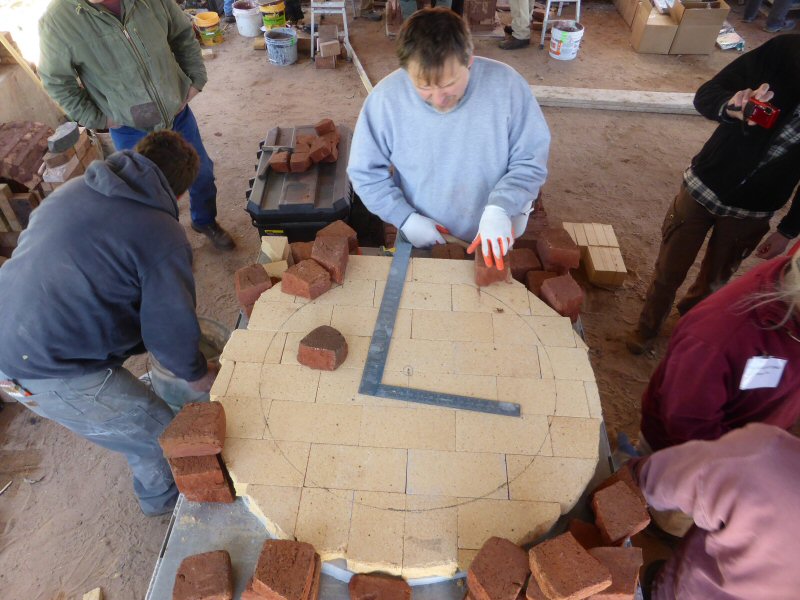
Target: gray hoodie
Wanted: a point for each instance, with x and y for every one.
(103, 271)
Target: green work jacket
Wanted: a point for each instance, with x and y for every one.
(135, 70)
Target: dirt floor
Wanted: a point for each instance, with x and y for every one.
(69, 522)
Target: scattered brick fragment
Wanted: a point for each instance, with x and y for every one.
(448, 251)
(619, 513)
(307, 279)
(587, 534)
(488, 275)
(301, 251)
(624, 564)
(564, 295)
(522, 261)
(324, 348)
(623, 474)
(332, 253)
(202, 478)
(498, 571)
(299, 162)
(279, 162)
(325, 126)
(557, 251)
(533, 591)
(250, 282)
(564, 570)
(206, 576)
(249, 593)
(376, 586)
(535, 279)
(197, 430)
(285, 570)
(341, 229)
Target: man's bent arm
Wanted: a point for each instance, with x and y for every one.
(185, 46)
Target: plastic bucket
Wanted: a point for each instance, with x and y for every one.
(208, 25)
(273, 15)
(175, 391)
(565, 39)
(248, 18)
(281, 46)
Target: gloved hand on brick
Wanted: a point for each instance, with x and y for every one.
(495, 235)
(421, 231)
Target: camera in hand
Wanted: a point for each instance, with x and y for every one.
(762, 114)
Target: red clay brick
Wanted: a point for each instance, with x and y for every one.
(522, 261)
(334, 152)
(202, 478)
(301, 251)
(378, 587)
(206, 576)
(332, 137)
(250, 282)
(564, 295)
(587, 534)
(279, 162)
(448, 251)
(624, 564)
(299, 162)
(619, 513)
(305, 138)
(323, 348)
(320, 150)
(488, 275)
(535, 279)
(249, 593)
(537, 223)
(325, 126)
(557, 251)
(307, 279)
(332, 253)
(533, 591)
(341, 229)
(624, 474)
(197, 430)
(285, 570)
(565, 571)
(498, 571)
(313, 594)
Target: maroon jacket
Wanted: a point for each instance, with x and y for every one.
(694, 393)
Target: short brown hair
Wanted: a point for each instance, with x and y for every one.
(431, 37)
(172, 154)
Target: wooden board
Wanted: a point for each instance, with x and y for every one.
(621, 100)
(22, 97)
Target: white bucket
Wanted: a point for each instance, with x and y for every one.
(281, 45)
(565, 39)
(248, 18)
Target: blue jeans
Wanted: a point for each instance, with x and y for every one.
(228, 7)
(114, 410)
(203, 193)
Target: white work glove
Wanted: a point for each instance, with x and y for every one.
(421, 231)
(495, 235)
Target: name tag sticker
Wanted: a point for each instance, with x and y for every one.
(762, 372)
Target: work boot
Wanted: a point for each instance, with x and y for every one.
(513, 43)
(218, 236)
(371, 15)
(638, 342)
(230, 19)
(787, 25)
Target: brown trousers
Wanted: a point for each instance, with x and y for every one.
(685, 227)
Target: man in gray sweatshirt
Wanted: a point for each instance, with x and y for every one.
(450, 141)
(103, 272)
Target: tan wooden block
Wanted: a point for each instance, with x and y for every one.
(591, 235)
(549, 479)
(247, 346)
(474, 386)
(324, 521)
(434, 270)
(463, 474)
(507, 297)
(514, 328)
(350, 293)
(375, 268)
(311, 422)
(593, 398)
(465, 558)
(276, 247)
(276, 268)
(600, 234)
(266, 462)
(519, 521)
(289, 382)
(571, 399)
(356, 468)
(430, 539)
(611, 236)
(276, 507)
(271, 316)
(446, 325)
(95, 594)
(570, 363)
(414, 356)
(245, 416)
(478, 432)
(376, 531)
(575, 437)
(535, 396)
(245, 380)
(220, 386)
(361, 321)
(553, 331)
(503, 360)
(570, 229)
(545, 366)
(580, 235)
(425, 296)
(538, 308)
(387, 427)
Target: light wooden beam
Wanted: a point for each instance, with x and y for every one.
(620, 100)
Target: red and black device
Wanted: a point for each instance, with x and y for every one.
(762, 114)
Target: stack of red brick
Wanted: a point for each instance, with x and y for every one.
(22, 148)
(309, 150)
(193, 444)
(588, 561)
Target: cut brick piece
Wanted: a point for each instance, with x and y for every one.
(341, 229)
(557, 251)
(624, 564)
(498, 571)
(249, 593)
(532, 590)
(299, 162)
(619, 513)
(623, 474)
(564, 295)
(448, 251)
(325, 126)
(301, 251)
(305, 139)
(202, 478)
(488, 275)
(564, 570)
(197, 430)
(522, 261)
(587, 534)
(535, 279)
(332, 253)
(250, 282)
(279, 162)
(334, 152)
(324, 348)
(206, 576)
(307, 279)
(378, 587)
(316, 579)
(285, 570)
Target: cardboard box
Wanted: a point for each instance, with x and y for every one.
(652, 32)
(627, 9)
(698, 25)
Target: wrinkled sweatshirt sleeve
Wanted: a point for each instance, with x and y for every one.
(170, 330)
(369, 164)
(60, 80)
(185, 46)
(529, 146)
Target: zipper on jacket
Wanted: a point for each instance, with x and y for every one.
(149, 81)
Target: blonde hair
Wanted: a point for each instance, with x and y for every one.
(786, 291)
